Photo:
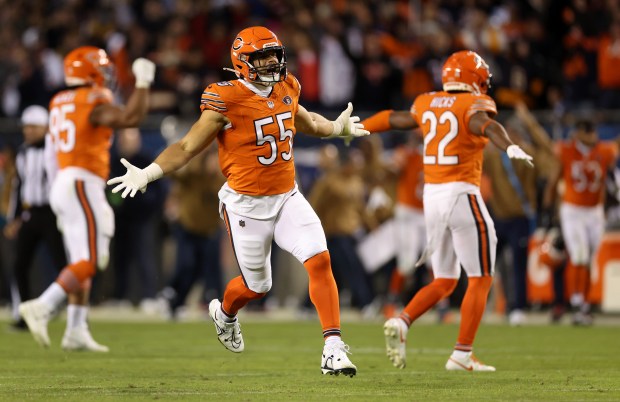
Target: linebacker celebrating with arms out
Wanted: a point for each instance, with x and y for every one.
(254, 120)
(456, 124)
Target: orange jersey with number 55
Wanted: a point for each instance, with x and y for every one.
(78, 143)
(584, 171)
(452, 153)
(256, 147)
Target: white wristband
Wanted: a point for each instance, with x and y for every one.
(143, 84)
(337, 128)
(153, 172)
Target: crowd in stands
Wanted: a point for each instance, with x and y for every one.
(378, 53)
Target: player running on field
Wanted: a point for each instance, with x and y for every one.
(456, 124)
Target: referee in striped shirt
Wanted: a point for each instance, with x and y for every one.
(30, 217)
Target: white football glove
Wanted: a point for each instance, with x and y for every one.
(347, 126)
(144, 71)
(515, 152)
(135, 179)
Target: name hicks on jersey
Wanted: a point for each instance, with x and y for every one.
(443, 101)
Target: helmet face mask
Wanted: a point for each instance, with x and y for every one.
(466, 71)
(251, 52)
(89, 65)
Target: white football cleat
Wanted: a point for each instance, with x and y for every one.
(80, 339)
(395, 331)
(229, 333)
(469, 363)
(37, 315)
(335, 360)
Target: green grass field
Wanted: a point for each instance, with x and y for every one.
(281, 362)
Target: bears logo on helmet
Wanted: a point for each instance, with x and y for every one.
(255, 43)
(466, 71)
(88, 65)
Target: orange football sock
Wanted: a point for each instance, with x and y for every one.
(397, 281)
(324, 293)
(72, 276)
(582, 279)
(570, 278)
(427, 297)
(472, 309)
(237, 295)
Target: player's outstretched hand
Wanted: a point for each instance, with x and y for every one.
(348, 127)
(515, 152)
(135, 179)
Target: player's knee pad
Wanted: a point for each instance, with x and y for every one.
(260, 286)
(308, 250)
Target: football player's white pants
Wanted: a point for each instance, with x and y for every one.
(582, 229)
(84, 216)
(410, 237)
(461, 233)
(296, 229)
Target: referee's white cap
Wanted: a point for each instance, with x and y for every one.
(35, 115)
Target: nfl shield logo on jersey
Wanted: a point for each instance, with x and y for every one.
(270, 104)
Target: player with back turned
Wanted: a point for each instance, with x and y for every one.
(82, 120)
(456, 124)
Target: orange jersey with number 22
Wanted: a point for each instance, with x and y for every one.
(452, 153)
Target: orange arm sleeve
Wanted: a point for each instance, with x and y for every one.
(378, 122)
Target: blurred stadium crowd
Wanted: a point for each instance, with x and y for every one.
(552, 55)
(549, 53)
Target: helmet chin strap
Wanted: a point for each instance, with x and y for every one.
(232, 71)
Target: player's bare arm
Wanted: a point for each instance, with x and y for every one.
(116, 116)
(131, 115)
(551, 191)
(402, 120)
(539, 135)
(483, 124)
(199, 137)
(312, 123)
(345, 126)
(175, 156)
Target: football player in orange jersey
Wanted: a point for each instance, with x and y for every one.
(456, 124)
(584, 162)
(82, 119)
(255, 119)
